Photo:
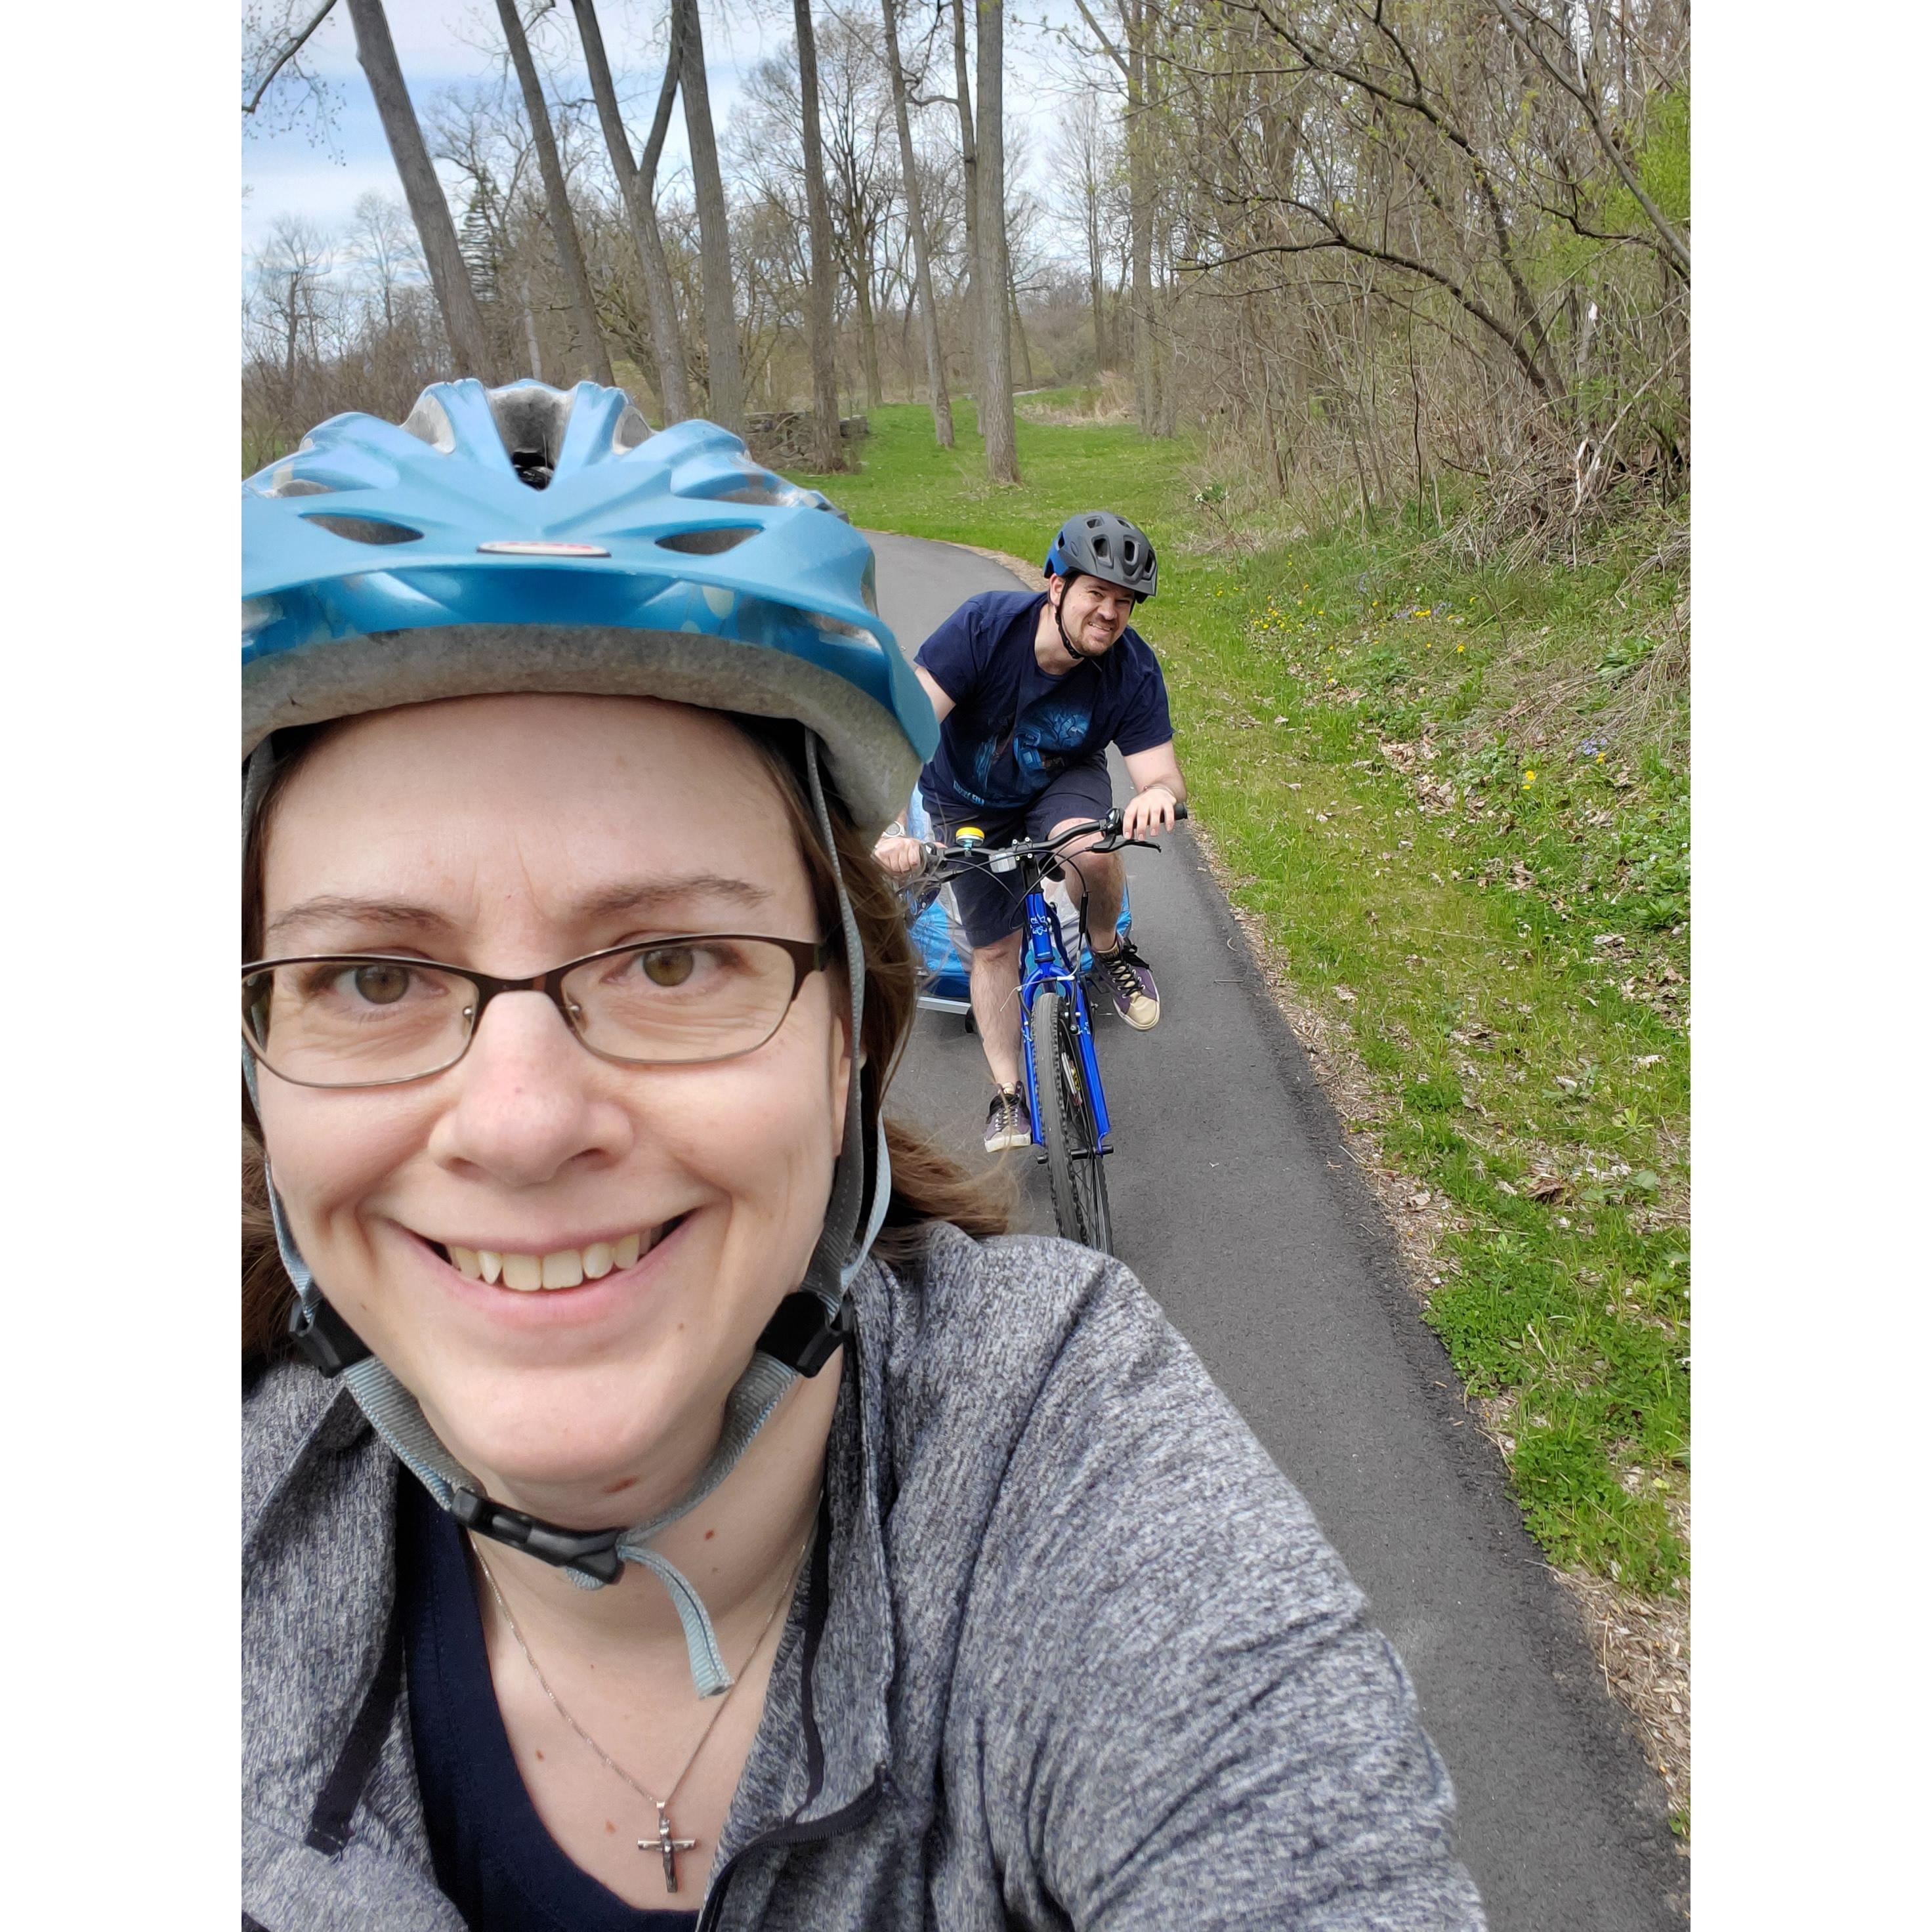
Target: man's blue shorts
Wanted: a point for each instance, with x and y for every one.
(991, 904)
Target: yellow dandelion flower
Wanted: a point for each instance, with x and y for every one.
(1528, 779)
(1459, 648)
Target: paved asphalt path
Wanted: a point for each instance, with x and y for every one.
(1233, 1200)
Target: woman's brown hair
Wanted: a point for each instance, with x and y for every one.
(928, 1185)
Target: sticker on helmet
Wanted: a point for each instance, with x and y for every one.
(516, 548)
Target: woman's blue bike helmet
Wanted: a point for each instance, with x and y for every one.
(532, 539)
(529, 539)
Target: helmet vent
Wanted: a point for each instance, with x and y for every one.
(708, 543)
(831, 627)
(301, 486)
(365, 530)
(532, 467)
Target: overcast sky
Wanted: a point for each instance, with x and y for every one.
(441, 42)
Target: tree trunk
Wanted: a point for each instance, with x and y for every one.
(530, 328)
(1096, 285)
(724, 370)
(827, 453)
(969, 164)
(639, 184)
(563, 223)
(1140, 196)
(996, 354)
(1019, 328)
(868, 337)
(462, 320)
(928, 312)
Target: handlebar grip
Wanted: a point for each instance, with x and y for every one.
(1180, 811)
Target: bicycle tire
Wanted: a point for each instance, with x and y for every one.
(1076, 1175)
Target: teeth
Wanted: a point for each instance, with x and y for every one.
(566, 1267)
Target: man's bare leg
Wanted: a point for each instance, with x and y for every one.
(1129, 981)
(994, 970)
(1105, 879)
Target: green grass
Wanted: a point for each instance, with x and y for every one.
(1460, 797)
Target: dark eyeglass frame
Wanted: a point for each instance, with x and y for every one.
(807, 956)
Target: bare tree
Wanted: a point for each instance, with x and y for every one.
(826, 453)
(638, 180)
(462, 322)
(928, 312)
(1129, 52)
(562, 222)
(289, 272)
(724, 377)
(996, 355)
(1083, 160)
(969, 161)
(382, 242)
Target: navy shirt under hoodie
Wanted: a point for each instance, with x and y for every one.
(493, 1855)
(1013, 728)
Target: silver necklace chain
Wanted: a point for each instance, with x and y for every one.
(663, 1841)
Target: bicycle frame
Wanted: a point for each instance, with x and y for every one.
(1044, 963)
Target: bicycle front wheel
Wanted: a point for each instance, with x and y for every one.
(1076, 1174)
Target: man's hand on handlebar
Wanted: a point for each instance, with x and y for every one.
(1148, 811)
(901, 855)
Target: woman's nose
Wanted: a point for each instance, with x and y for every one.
(526, 1100)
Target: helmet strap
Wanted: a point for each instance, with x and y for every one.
(1066, 644)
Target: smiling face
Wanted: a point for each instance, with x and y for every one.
(641, 1224)
(1093, 613)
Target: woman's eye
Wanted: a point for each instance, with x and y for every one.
(671, 967)
(380, 985)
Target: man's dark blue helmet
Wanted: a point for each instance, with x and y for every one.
(1101, 544)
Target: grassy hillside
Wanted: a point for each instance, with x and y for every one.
(1452, 797)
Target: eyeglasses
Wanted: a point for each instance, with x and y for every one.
(374, 1019)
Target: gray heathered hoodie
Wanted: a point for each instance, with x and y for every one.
(1071, 1652)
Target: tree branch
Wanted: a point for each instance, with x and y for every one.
(1107, 47)
(288, 52)
(1676, 247)
(653, 148)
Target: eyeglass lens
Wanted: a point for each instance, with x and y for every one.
(353, 1022)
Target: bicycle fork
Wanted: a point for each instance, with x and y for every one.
(1048, 961)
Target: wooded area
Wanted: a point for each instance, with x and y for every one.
(1382, 252)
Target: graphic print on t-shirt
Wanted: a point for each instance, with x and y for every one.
(1050, 729)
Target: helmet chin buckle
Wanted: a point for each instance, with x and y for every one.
(804, 1335)
(593, 1552)
(324, 1339)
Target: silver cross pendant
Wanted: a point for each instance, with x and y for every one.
(670, 1846)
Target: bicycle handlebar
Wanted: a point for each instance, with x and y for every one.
(1041, 852)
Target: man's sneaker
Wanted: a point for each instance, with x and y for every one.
(1009, 1122)
(1129, 980)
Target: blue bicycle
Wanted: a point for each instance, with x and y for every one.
(1064, 1095)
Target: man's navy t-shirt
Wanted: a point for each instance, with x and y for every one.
(1013, 728)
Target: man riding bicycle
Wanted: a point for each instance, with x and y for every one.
(1030, 689)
